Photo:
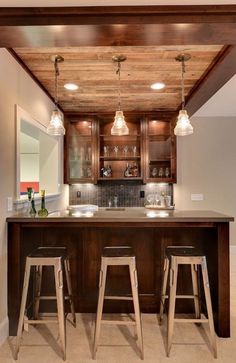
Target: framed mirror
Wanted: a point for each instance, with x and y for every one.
(39, 162)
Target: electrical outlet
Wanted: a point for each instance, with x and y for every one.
(78, 194)
(197, 197)
(142, 194)
(9, 204)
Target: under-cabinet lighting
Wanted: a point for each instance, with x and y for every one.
(154, 214)
(83, 214)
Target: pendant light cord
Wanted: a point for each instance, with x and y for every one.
(182, 85)
(56, 75)
(118, 72)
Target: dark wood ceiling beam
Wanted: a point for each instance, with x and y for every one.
(118, 15)
(219, 74)
(114, 26)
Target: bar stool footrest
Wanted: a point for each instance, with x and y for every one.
(112, 297)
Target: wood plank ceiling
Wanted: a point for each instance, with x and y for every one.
(92, 69)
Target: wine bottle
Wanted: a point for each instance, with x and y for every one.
(32, 211)
(43, 211)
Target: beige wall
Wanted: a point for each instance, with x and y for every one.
(16, 87)
(207, 165)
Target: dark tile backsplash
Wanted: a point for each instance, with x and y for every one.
(128, 193)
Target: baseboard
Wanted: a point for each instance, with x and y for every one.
(233, 250)
(4, 330)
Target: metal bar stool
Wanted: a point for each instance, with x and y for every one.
(186, 255)
(58, 258)
(117, 256)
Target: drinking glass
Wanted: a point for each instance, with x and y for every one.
(126, 149)
(134, 149)
(106, 150)
(150, 199)
(160, 172)
(167, 172)
(116, 149)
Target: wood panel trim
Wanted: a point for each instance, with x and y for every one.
(216, 76)
(28, 71)
(118, 15)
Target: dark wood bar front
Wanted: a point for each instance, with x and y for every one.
(85, 238)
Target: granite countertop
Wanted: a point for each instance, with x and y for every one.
(135, 214)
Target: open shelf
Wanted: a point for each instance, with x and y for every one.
(120, 158)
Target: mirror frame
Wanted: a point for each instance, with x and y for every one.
(22, 114)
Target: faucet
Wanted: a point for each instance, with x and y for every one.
(115, 201)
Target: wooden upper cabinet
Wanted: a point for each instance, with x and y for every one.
(81, 150)
(160, 151)
(92, 154)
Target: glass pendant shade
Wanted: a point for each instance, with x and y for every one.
(183, 126)
(55, 126)
(119, 126)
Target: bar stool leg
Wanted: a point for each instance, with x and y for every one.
(208, 304)
(134, 286)
(38, 283)
(196, 291)
(69, 288)
(163, 291)
(172, 299)
(22, 307)
(60, 305)
(102, 284)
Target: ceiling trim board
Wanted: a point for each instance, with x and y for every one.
(35, 79)
(219, 74)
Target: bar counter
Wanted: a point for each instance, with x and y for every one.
(85, 237)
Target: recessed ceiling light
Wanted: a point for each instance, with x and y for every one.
(158, 85)
(71, 86)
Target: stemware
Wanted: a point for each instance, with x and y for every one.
(150, 199)
(134, 149)
(167, 172)
(116, 149)
(106, 150)
(126, 149)
(160, 172)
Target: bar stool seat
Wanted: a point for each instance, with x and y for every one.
(118, 256)
(57, 257)
(186, 255)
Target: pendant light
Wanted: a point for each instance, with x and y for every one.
(119, 126)
(55, 126)
(183, 126)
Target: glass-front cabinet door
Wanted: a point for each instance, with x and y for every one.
(81, 150)
(160, 146)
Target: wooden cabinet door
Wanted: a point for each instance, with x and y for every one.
(81, 150)
(160, 151)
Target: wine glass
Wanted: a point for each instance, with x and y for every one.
(150, 199)
(167, 172)
(126, 149)
(106, 150)
(161, 173)
(134, 149)
(116, 149)
(157, 199)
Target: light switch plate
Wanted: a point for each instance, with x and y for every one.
(197, 197)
